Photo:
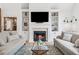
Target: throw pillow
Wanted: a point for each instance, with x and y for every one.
(13, 37)
(74, 38)
(67, 37)
(77, 43)
(60, 36)
(2, 42)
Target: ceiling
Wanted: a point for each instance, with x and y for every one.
(62, 6)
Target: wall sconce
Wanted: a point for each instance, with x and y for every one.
(75, 19)
(71, 21)
(66, 20)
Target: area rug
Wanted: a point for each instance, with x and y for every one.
(26, 50)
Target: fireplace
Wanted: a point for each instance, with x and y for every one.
(39, 35)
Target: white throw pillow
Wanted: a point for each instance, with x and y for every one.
(67, 37)
(77, 43)
(13, 37)
(2, 42)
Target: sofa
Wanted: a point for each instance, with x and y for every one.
(67, 47)
(10, 43)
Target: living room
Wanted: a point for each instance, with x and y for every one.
(27, 28)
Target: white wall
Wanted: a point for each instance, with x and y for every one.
(65, 11)
(73, 27)
(76, 15)
(39, 6)
(76, 10)
(12, 9)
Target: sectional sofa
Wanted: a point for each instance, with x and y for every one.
(66, 46)
(10, 43)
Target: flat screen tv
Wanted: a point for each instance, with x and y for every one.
(39, 17)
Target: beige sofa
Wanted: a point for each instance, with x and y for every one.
(67, 47)
(12, 46)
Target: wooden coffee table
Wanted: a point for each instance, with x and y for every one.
(39, 50)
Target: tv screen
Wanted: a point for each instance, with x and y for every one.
(39, 17)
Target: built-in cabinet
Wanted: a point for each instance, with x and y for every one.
(54, 21)
(25, 16)
(25, 20)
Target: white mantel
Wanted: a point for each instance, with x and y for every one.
(38, 27)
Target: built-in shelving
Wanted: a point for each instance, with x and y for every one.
(25, 19)
(25, 16)
(54, 21)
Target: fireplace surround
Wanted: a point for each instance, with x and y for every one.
(35, 32)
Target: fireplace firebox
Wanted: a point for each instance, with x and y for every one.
(40, 35)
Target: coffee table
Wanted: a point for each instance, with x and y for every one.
(39, 50)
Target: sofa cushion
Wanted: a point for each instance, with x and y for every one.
(13, 37)
(74, 38)
(67, 37)
(2, 42)
(77, 43)
(3, 37)
(61, 35)
(66, 47)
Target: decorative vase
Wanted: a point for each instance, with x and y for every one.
(39, 42)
